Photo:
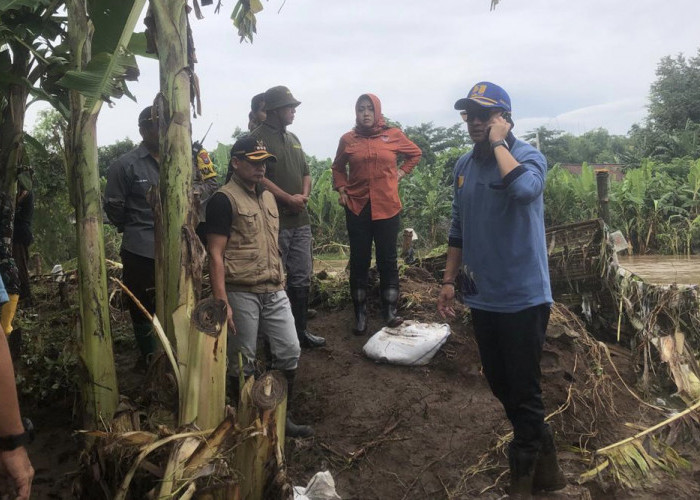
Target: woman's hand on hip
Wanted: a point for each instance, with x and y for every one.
(342, 198)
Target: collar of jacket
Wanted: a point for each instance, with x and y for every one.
(143, 152)
(257, 191)
(281, 130)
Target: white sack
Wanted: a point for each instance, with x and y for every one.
(411, 343)
(320, 487)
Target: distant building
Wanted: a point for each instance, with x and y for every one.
(616, 169)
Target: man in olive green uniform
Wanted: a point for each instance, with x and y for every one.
(290, 183)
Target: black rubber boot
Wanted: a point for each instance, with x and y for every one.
(14, 342)
(299, 300)
(293, 430)
(522, 472)
(548, 474)
(145, 339)
(146, 342)
(359, 300)
(390, 298)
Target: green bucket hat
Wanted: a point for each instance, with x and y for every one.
(279, 97)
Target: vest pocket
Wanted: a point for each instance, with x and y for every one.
(242, 256)
(273, 218)
(242, 266)
(247, 225)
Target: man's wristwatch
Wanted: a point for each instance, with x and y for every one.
(502, 142)
(9, 443)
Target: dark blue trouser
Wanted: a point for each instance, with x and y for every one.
(510, 346)
(362, 230)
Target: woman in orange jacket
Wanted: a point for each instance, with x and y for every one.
(366, 176)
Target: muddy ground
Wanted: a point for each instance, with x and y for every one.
(383, 431)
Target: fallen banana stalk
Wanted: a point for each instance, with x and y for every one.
(124, 486)
(630, 457)
(653, 428)
(160, 333)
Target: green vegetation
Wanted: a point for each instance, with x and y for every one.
(656, 206)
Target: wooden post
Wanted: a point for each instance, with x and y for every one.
(601, 177)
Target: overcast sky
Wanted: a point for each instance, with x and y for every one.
(569, 65)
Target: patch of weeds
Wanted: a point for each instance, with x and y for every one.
(331, 292)
(48, 366)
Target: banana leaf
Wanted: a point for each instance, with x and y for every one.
(112, 64)
(102, 78)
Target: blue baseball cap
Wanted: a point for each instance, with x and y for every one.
(487, 95)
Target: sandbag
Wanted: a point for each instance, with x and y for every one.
(411, 343)
(320, 487)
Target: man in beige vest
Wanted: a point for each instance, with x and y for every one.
(246, 270)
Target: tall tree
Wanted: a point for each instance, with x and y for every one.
(674, 99)
(433, 140)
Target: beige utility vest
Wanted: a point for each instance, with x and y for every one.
(252, 261)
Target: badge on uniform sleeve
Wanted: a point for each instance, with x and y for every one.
(460, 181)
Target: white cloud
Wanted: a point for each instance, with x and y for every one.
(569, 65)
(619, 116)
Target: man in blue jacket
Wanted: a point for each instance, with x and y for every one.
(497, 253)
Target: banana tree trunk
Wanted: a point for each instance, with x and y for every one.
(179, 256)
(99, 389)
(173, 283)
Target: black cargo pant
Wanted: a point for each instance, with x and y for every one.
(510, 346)
(362, 230)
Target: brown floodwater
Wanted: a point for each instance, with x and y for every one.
(660, 269)
(664, 269)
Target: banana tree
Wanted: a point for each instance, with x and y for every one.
(98, 35)
(27, 51)
(179, 255)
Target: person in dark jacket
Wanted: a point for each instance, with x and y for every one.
(22, 236)
(129, 180)
(257, 113)
(10, 276)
